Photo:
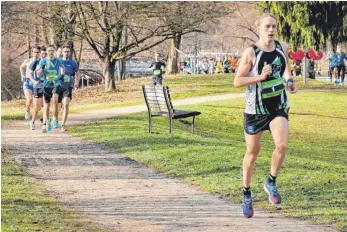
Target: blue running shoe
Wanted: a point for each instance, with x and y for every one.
(271, 189)
(247, 206)
(48, 125)
(55, 124)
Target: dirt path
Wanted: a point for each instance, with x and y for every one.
(123, 195)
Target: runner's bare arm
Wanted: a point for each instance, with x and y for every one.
(287, 73)
(245, 66)
(23, 67)
(40, 68)
(31, 72)
(39, 73)
(62, 70)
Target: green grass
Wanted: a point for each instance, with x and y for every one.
(129, 93)
(312, 181)
(27, 206)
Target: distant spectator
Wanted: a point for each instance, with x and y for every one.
(219, 66)
(186, 66)
(233, 64)
(311, 71)
(297, 68)
(341, 68)
(212, 65)
(333, 63)
(226, 65)
(158, 66)
(204, 66)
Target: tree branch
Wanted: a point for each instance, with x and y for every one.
(244, 37)
(249, 29)
(12, 59)
(85, 30)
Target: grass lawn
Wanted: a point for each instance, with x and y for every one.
(312, 181)
(27, 206)
(129, 93)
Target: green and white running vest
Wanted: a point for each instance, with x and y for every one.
(267, 96)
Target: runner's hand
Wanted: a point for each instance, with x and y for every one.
(36, 83)
(267, 70)
(292, 88)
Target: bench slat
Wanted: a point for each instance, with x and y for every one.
(154, 102)
(158, 106)
(156, 98)
(155, 94)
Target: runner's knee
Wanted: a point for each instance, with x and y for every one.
(252, 152)
(281, 148)
(66, 102)
(55, 99)
(37, 107)
(251, 157)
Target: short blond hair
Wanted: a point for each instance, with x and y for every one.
(264, 15)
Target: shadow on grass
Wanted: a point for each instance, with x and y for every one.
(135, 137)
(17, 204)
(319, 115)
(217, 170)
(12, 117)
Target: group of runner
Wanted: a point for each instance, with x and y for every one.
(49, 74)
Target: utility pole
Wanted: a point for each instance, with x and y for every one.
(305, 66)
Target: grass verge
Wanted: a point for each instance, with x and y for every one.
(313, 179)
(129, 92)
(27, 206)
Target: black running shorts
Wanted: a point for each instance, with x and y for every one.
(63, 92)
(157, 80)
(47, 94)
(38, 93)
(254, 123)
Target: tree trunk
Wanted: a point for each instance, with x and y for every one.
(51, 32)
(44, 35)
(124, 69)
(70, 29)
(37, 39)
(120, 70)
(108, 73)
(123, 62)
(29, 45)
(78, 58)
(172, 63)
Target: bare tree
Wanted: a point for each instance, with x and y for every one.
(102, 24)
(188, 17)
(229, 33)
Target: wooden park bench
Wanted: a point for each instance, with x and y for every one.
(159, 103)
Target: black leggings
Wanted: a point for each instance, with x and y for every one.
(341, 69)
